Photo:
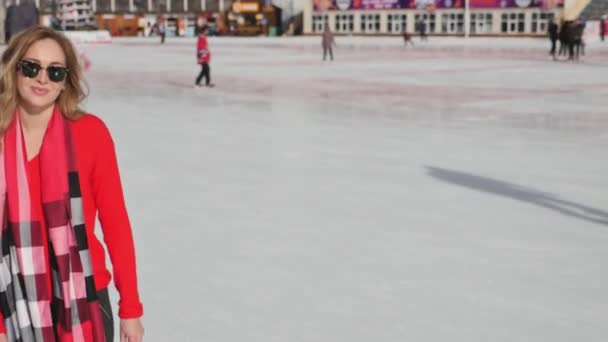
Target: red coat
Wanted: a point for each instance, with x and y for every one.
(202, 52)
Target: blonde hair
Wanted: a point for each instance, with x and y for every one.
(69, 99)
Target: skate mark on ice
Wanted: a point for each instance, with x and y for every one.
(182, 85)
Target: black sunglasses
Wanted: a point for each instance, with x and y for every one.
(31, 69)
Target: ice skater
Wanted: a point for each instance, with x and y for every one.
(563, 36)
(578, 36)
(58, 171)
(407, 39)
(204, 58)
(553, 32)
(421, 28)
(162, 31)
(603, 28)
(85, 61)
(328, 42)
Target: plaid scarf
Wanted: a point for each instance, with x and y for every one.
(67, 309)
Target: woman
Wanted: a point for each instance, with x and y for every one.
(58, 170)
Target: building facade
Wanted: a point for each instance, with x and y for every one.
(439, 17)
(180, 17)
(75, 14)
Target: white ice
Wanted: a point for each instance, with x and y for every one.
(454, 191)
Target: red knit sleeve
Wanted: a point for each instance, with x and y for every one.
(117, 235)
(2, 327)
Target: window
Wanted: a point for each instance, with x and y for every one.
(540, 22)
(452, 23)
(122, 6)
(177, 6)
(318, 23)
(481, 23)
(103, 6)
(429, 21)
(46, 6)
(397, 23)
(345, 23)
(370, 23)
(513, 23)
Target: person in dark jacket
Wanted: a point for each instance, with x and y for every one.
(7, 22)
(554, 36)
(578, 39)
(421, 28)
(603, 28)
(563, 38)
(19, 18)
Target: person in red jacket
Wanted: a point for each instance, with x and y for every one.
(204, 57)
(58, 170)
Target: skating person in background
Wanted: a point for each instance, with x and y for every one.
(578, 29)
(571, 39)
(421, 28)
(58, 171)
(328, 42)
(204, 57)
(84, 61)
(603, 28)
(407, 38)
(162, 31)
(19, 18)
(553, 36)
(563, 38)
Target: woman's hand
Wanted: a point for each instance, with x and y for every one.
(131, 330)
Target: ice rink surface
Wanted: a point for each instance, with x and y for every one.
(454, 191)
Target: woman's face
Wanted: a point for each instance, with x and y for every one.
(38, 91)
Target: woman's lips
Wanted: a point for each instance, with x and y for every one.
(40, 91)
